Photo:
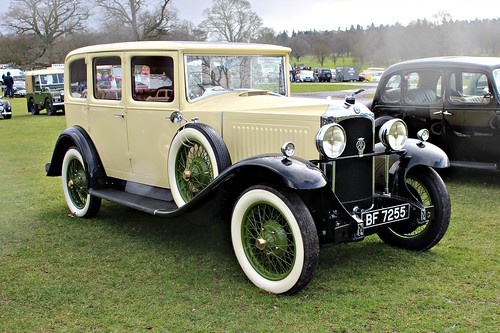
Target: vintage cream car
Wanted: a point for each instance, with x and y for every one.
(209, 130)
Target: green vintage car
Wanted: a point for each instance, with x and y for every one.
(45, 90)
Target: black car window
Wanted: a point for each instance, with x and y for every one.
(469, 88)
(392, 89)
(423, 87)
(78, 78)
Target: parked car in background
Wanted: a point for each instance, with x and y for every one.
(376, 77)
(19, 87)
(16, 74)
(307, 76)
(372, 71)
(45, 90)
(324, 75)
(5, 109)
(455, 98)
(208, 136)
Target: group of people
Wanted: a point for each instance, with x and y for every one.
(8, 82)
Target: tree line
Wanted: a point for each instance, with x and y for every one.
(37, 33)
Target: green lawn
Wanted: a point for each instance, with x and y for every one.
(126, 271)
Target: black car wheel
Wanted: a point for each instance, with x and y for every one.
(426, 186)
(32, 107)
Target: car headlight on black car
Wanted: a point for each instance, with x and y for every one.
(393, 134)
(331, 140)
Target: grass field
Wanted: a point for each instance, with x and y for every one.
(126, 271)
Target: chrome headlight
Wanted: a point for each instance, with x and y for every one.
(331, 140)
(288, 149)
(393, 134)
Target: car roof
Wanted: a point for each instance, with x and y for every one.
(45, 71)
(487, 63)
(186, 47)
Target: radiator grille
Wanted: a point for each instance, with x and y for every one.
(354, 177)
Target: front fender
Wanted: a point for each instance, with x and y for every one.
(76, 136)
(418, 153)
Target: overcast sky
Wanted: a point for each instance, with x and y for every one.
(331, 14)
(303, 15)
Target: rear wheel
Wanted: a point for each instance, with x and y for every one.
(75, 182)
(32, 107)
(49, 107)
(275, 239)
(426, 186)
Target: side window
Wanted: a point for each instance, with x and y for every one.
(152, 78)
(392, 90)
(469, 88)
(107, 78)
(423, 87)
(78, 78)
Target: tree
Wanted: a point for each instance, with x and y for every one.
(145, 19)
(48, 21)
(232, 21)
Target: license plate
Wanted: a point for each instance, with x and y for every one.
(386, 215)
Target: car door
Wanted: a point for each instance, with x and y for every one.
(152, 79)
(108, 117)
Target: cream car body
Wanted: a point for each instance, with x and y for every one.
(196, 129)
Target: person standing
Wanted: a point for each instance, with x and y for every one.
(9, 83)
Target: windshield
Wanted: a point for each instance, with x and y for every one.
(496, 78)
(210, 74)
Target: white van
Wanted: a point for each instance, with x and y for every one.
(14, 72)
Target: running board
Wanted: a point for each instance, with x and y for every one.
(474, 165)
(145, 204)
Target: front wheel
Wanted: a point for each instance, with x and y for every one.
(75, 182)
(426, 186)
(49, 107)
(275, 239)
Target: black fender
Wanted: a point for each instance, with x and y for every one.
(76, 136)
(271, 169)
(416, 153)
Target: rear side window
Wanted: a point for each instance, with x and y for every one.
(469, 88)
(423, 87)
(107, 73)
(78, 78)
(392, 90)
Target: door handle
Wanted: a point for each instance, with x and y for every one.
(119, 115)
(444, 113)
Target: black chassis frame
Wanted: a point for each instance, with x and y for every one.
(334, 223)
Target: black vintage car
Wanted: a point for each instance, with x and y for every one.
(456, 98)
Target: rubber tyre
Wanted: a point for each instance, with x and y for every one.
(75, 182)
(8, 116)
(197, 155)
(33, 108)
(274, 239)
(49, 108)
(428, 188)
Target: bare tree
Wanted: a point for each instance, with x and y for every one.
(146, 19)
(48, 21)
(232, 21)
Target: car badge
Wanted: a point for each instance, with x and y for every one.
(357, 110)
(361, 145)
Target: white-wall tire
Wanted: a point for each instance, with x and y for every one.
(271, 226)
(75, 183)
(197, 155)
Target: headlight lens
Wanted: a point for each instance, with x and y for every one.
(331, 140)
(393, 134)
(288, 149)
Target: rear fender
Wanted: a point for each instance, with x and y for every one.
(76, 136)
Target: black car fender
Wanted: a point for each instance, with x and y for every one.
(76, 136)
(415, 153)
